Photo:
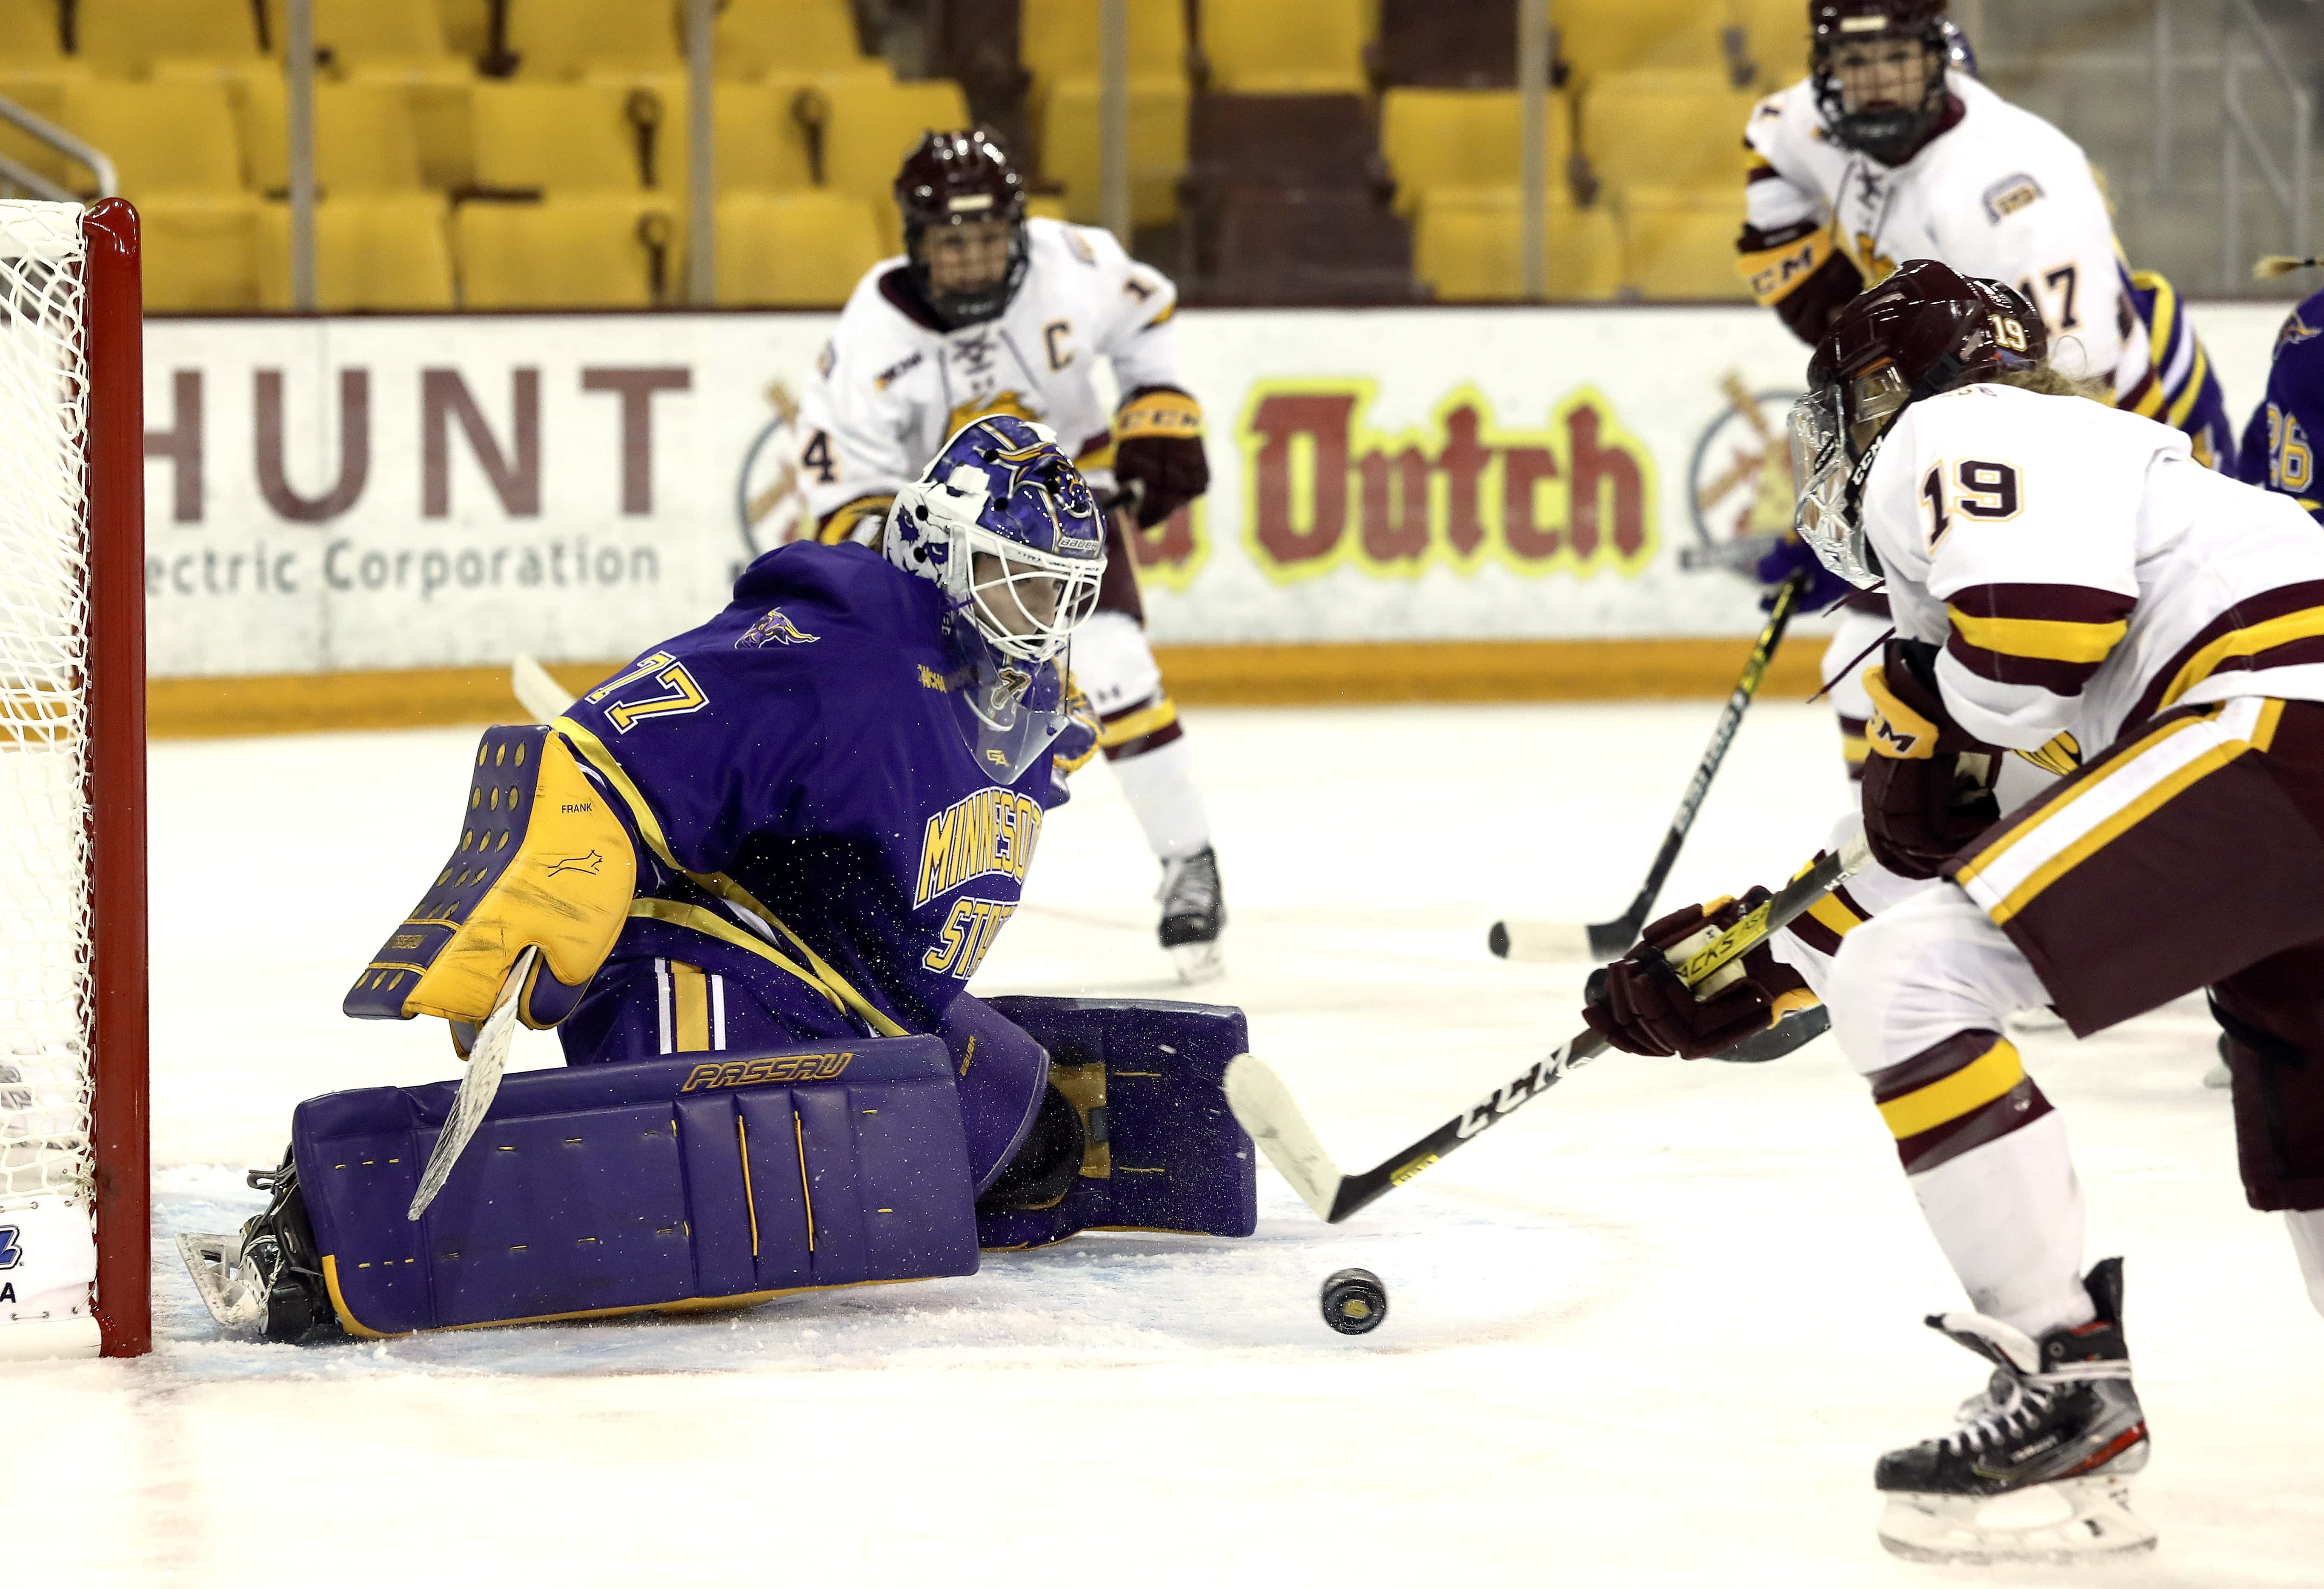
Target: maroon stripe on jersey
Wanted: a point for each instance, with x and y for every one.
(1816, 934)
(2130, 400)
(2014, 1110)
(2280, 602)
(1762, 173)
(2044, 604)
(2059, 678)
(1957, 1052)
(2040, 603)
(1160, 737)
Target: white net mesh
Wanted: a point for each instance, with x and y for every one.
(44, 850)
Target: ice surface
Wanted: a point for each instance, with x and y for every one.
(1654, 1331)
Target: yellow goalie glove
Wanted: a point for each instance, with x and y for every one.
(542, 862)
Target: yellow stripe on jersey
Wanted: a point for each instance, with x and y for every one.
(848, 517)
(1834, 916)
(2047, 640)
(1137, 725)
(2305, 624)
(1971, 1088)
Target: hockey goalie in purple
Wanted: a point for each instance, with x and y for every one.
(2278, 447)
(759, 866)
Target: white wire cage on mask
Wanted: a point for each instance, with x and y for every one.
(1831, 455)
(1026, 602)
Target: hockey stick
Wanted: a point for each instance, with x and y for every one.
(487, 1058)
(536, 692)
(1263, 1106)
(1516, 939)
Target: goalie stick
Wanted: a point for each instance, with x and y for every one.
(479, 1085)
(1516, 939)
(1263, 1106)
(536, 692)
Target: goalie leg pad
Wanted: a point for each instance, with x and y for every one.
(542, 861)
(719, 1180)
(1161, 1150)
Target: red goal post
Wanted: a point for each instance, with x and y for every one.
(75, 1208)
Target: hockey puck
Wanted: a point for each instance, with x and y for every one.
(1354, 1301)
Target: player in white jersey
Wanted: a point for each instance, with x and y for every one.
(990, 312)
(2070, 585)
(1890, 152)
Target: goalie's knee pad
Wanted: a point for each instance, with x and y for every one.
(615, 1189)
(542, 861)
(1136, 1111)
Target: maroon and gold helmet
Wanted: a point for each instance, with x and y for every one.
(1926, 330)
(1889, 129)
(951, 178)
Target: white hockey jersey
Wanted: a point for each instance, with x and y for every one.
(2000, 193)
(2082, 572)
(893, 386)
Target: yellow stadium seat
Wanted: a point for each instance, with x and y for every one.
(166, 137)
(1774, 40)
(365, 140)
(1463, 138)
(599, 251)
(872, 127)
(370, 252)
(1665, 128)
(357, 34)
(1680, 244)
(126, 38)
(32, 30)
(566, 138)
(1286, 46)
(555, 39)
(467, 26)
(1595, 37)
(785, 37)
(1468, 245)
(802, 250)
(198, 253)
(1071, 146)
(39, 87)
(1060, 39)
(761, 146)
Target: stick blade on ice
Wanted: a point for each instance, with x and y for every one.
(482, 1083)
(1517, 940)
(1264, 1107)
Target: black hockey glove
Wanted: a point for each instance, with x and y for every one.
(1927, 782)
(1158, 444)
(1640, 1006)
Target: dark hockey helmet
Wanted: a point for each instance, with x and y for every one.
(1888, 130)
(949, 180)
(1926, 330)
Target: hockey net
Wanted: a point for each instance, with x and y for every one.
(62, 738)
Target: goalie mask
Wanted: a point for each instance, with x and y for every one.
(1927, 329)
(1003, 525)
(1879, 71)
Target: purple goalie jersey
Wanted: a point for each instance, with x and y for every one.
(812, 827)
(2278, 450)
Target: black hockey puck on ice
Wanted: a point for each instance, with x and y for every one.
(1354, 1301)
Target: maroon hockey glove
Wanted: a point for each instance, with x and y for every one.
(1641, 1008)
(1158, 445)
(1927, 782)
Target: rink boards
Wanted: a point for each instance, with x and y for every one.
(359, 520)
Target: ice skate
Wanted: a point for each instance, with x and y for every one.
(2037, 1469)
(1194, 913)
(265, 1277)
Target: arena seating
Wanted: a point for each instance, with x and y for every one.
(1281, 150)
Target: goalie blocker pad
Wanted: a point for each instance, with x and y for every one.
(542, 861)
(706, 1181)
(1161, 1150)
